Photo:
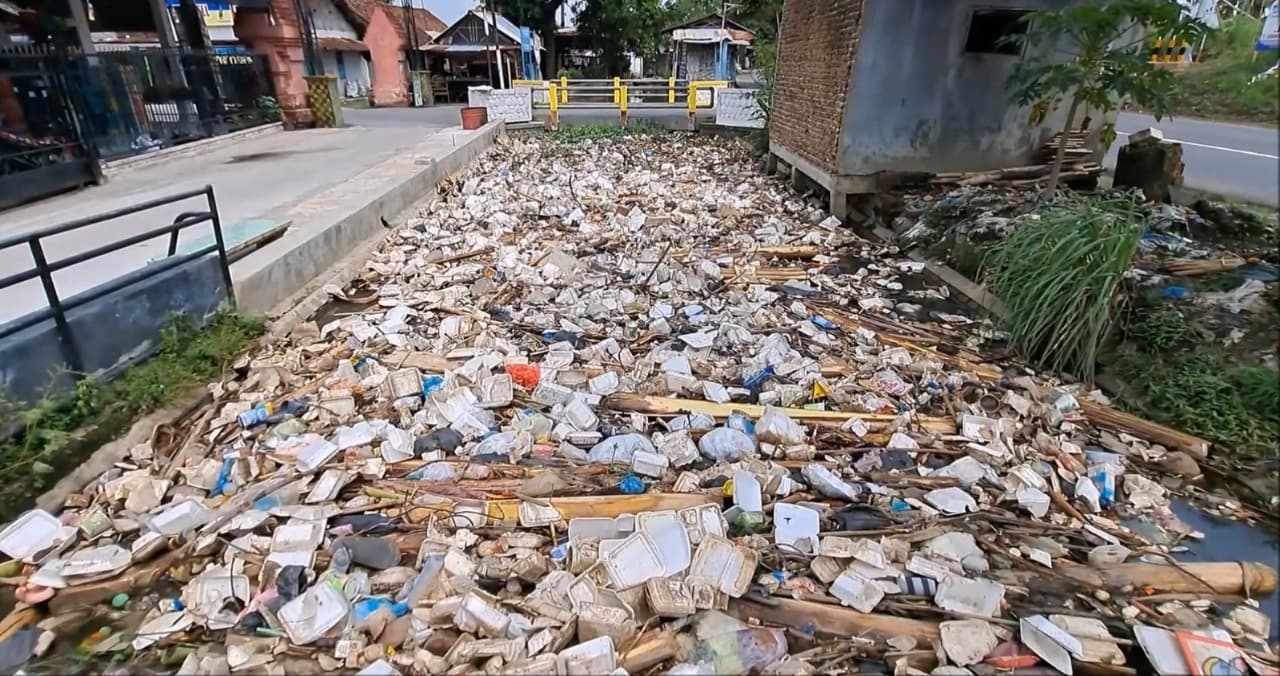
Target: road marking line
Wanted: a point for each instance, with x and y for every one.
(1224, 149)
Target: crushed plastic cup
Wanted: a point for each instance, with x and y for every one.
(313, 613)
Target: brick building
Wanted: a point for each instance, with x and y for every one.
(372, 37)
(870, 89)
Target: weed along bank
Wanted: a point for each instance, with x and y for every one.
(620, 402)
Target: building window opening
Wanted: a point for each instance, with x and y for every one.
(997, 31)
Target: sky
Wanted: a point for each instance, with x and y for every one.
(447, 11)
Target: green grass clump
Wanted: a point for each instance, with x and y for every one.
(1218, 87)
(1236, 406)
(606, 130)
(1159, 329)
(1058, 276)
(58, 431)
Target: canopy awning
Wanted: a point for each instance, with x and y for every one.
(467, 49)
(341, 45)
(711, 35)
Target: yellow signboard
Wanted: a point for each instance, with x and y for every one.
(219, 18)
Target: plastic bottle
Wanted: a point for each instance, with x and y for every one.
(421, 585)
(823, 323)
(224, 477)
(756, 381)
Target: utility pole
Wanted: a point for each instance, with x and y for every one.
(415, 61)
(488, 55)
(493, 40)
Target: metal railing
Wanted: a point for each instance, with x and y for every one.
(622, 95)
(43, 146)
(141, 99)
(44, 268)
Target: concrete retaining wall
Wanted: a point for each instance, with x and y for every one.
(112, 332)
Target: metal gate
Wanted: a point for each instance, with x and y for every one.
(42, 134)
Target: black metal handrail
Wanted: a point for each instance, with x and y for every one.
(44, 268)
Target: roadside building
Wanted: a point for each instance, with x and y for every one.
(869, 89)
(710, 47)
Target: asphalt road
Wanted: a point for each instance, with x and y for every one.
(1233, 160)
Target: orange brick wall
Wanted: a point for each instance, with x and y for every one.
(386, 58)
(818, 45)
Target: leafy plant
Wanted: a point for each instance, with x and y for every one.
(1108, 63)
(1159, 328)
(269, 107)
(766, 64)
(616, 27)
(596, 131)
(1203, 394)
(1219, 84)
(1058, 276)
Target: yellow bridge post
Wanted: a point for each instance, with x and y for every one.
(671, 90)
(622, 105)
(554, 103)
(616, 83)
(693, 103)
(564, 89)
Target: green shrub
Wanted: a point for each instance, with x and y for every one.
(1203, 394)
(606, 130)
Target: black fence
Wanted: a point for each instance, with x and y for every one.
(42, 128)
(141, 99)
(44, 269)
(61, 111)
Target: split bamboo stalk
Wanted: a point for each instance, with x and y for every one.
(672, 406)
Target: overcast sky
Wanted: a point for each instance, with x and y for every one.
(447, 10)
(451, 10)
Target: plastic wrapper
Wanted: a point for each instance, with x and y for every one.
(724, 444)
(775, 427)
(620, 449)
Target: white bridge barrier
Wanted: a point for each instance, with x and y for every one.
(739, 108)
(508, 105)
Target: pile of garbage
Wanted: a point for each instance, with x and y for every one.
(627, 407)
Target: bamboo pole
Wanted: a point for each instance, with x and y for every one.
(807, 616)
(671, 406)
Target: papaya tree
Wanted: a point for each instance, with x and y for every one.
(1106, 64)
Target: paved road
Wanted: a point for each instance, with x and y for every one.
(1230, 159)
(251, 178)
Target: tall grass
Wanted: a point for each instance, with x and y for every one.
(1058, 276)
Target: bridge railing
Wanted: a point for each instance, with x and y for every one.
(622, 95)
(593, 93)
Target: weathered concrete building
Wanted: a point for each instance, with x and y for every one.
(870, 89)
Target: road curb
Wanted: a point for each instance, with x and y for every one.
(346, 218)
(115, 168)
